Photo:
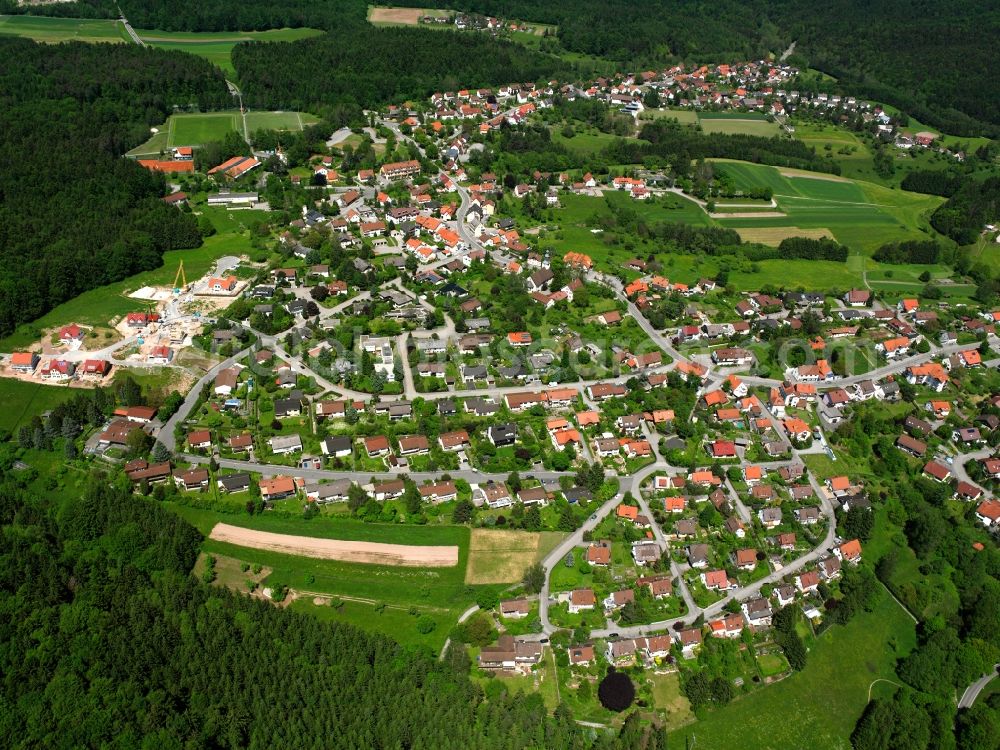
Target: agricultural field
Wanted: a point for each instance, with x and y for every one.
(774, 235)
(826, 698)
(217, 47)
(379, 16)
(55, 30)
(860, 215)
(442, 589)
(502, 556)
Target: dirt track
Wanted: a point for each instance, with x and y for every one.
(372, 553)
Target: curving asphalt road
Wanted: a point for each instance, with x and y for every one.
(972, 692)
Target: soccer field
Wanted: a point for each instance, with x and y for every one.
(196, 129)
(192, 130)
(279, 120)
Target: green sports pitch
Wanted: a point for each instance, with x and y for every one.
(199, 128)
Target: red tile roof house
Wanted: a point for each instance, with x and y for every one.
(200, 439)
(745, 559)
(192, 479)
(69, 334)
(377, 445)
(581, 655)
(690, 642)
(599, 553)
(413, 444)
(454, 441)
(57, 369)
(581, 599)
(276, 488)
(439, 493)
(94, 369)
(722, 449)
(849, 551)
(25, 362)
(937, 471)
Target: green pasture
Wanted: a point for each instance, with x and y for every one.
(22, 400)
(743, 125)
(55, 30)
(217, 47)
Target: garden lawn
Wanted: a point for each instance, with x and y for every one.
(825, 699)
(669, 699)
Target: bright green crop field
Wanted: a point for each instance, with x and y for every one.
(858, 214)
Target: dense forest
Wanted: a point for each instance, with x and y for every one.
(73, 214)
(410, 64)
(109, 642)
(963, 216)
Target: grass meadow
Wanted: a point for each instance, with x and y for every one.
(737, 124)
(22, 400)
(217, 47)
(55, 30)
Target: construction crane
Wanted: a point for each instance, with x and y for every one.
(180, 277)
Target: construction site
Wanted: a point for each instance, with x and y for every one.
(157, 333)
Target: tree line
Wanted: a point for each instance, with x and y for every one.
(964, 215)
(74, 215)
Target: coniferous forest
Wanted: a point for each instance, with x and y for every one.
(67, 114)
(110, 642)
